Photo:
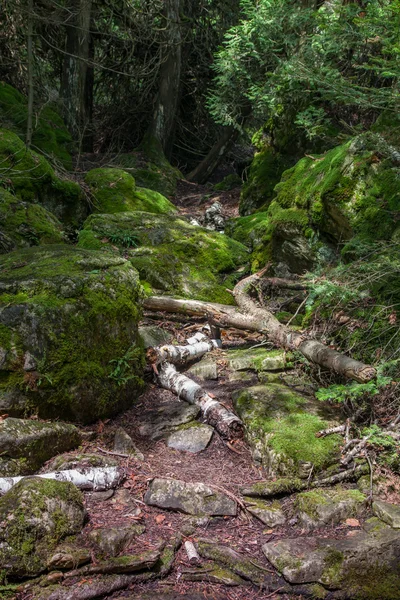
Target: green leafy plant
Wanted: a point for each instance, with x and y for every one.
(123, 367)
(124, 238)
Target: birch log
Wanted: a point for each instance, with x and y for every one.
(92, 479)
(228, 425)
(250, 317)
(179, 355)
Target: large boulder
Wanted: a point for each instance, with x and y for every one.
(171, 255)
(323, 202)
(35, 515)
(364, 566)
(25, 445)
(281, 426)
(33, 179)
(68, 333)
(23, 224)
(115, 191)
(50, 135)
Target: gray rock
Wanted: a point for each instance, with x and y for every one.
(190, 498)
(157, 423)
(389, 513)
(35, 516)
(191, 438)
(205, 369)
(123, 443)
(269, 513)
(25, 445)
(154, 336)
(364, 565)
(112, 541)
(317, 508)
(102, 496)
(68, 557)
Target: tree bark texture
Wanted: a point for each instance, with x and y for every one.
(95, 478)
(250, 317)
(228, 425)
(77, 77)
(162, 125)
(29, 127)
(179, 355)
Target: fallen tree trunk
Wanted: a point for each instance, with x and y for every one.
(250, 317)
(179, 355)
(228, 425)
(93, 479)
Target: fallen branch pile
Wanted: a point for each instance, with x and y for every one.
(251, 317)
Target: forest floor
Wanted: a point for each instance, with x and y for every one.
(226, 467)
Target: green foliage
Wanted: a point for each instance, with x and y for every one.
(305, 64)
(124, 368)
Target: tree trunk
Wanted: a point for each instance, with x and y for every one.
(162, 125)
(228, 425)
(206, 168)
(29, 126)
(77, 77)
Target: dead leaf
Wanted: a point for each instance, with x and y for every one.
(159, 519)
(353, 522)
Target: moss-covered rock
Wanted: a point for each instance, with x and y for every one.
(321, 202)
(25, 224)
(170, 254)
(318, 508)
(32, 179)
(68, 333)
(25, 445)
(265, 172)
(115, 191)
(281, 427)
(35, 515)
(228, 183)
(50, 136)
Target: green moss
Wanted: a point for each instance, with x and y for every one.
(332, 574)
(374, 583)
(27, 224)
(229, 182)
(115, 191)
(265, 172)
(29, 542)
(50, 136)
(288, 424)
(32, 179)
(171, 255)
(86, 307)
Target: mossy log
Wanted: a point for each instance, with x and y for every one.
(96, 478)
(251, 317)
(228, 425)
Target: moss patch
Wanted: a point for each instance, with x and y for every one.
(37, 514)
(50, 136)
(170, 254)
(115, 191)
(26, 224)
(32, 179)
(285, 424)
(85, 308)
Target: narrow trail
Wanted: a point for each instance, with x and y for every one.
(224, 467)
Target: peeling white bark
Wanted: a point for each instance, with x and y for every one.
(179, 355)
(92, 479)
(225, 422)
